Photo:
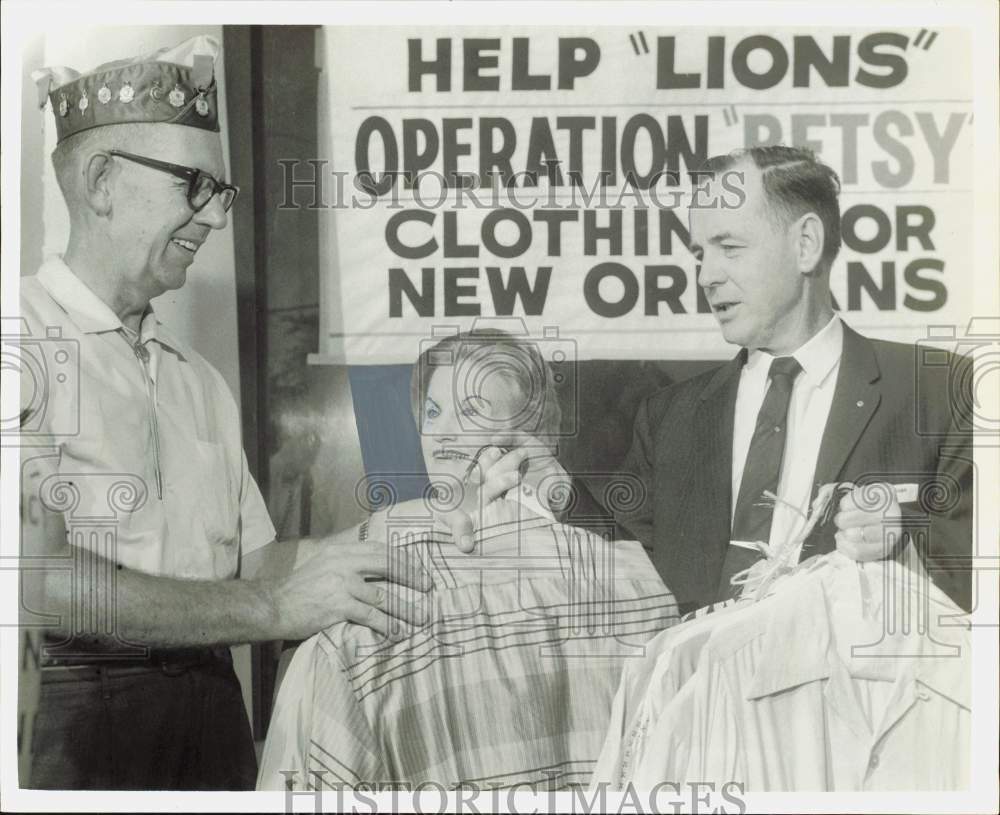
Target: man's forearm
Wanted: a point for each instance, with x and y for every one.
(150, 610)
(279, 559)
(166, 612)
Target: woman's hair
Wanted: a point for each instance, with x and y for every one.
(480, 353)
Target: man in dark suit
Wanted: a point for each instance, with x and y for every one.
(807, 401)
(733, 458)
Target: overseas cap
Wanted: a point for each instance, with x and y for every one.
(172, 85)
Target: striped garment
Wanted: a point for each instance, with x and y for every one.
(510, 682)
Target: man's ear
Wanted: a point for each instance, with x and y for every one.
(97, 173)
(809, 236)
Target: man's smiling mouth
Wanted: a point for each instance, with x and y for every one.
(188, 246)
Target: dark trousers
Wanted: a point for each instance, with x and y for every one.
(143, 727)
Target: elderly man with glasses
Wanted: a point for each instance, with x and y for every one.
(138, 689)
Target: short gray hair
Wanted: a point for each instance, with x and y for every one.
(109, 137)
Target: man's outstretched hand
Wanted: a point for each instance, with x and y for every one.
(358, 581)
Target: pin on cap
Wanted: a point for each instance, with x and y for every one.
(176, 97)
(135, 90)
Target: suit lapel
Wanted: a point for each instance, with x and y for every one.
(855, 399)
(705, 507)
(714, 439)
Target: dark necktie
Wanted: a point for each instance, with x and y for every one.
(752, 519)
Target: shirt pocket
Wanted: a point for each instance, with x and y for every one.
(85, 449)
(217, 494)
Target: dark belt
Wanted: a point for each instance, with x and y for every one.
(167, 660)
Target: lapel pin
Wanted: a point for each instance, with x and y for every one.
(861, 403)
(63, 105)
(104, 94)
(126, 94)
(84, 102)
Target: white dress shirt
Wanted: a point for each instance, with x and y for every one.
(808, 410)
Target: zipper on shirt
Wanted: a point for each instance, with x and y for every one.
(142, 354)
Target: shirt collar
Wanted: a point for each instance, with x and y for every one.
(797, 640)
(803, 618)
(818, 356)
(89, 312)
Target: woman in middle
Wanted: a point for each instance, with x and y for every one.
(511, 677)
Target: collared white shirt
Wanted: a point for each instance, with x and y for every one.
(151, 447)
(808, 411)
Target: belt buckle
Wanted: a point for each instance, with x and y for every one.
(173, 668)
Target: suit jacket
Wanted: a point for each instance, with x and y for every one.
(898, 415)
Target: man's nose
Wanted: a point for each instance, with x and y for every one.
(710, 273)
(213, 214)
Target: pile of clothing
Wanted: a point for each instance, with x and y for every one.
(832, 675)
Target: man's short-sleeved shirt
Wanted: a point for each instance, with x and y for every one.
(147, 432)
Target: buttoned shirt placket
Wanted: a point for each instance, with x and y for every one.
(865, 759)
(147, 362)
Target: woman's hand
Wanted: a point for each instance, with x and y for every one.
(513, 461)
(530, 465)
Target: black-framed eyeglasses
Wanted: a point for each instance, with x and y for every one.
(202, 186)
